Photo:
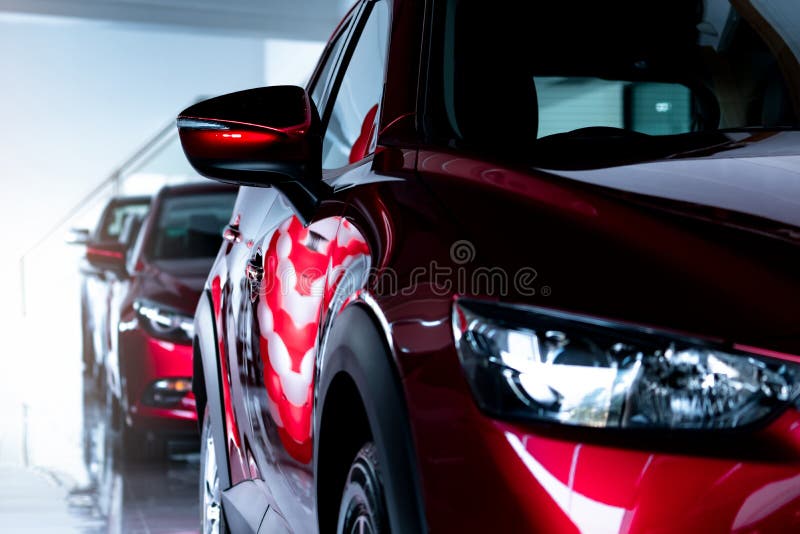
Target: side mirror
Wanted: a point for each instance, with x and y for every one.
(77, 236)
(269, 136)
(107, 256)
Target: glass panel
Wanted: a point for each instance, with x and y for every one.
(350, 128)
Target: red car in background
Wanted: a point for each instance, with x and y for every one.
(149, 361)
(109, 237)
(530, 267)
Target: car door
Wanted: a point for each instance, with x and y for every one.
(285, 280)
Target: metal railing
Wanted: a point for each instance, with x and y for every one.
(102, 192)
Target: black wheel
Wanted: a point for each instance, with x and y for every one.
(363, 506)
(133, 444)
(142, 446)
(87, 342)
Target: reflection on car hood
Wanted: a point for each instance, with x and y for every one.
(636, 256)
(176, 283)
(760, 177)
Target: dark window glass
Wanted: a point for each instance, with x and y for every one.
(190, 226)
(350, 129)
(115, 218)
(318, 92)
(631, 78)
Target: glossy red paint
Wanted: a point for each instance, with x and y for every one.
(210, 138)
(596, 249)
(106, 253)
(361, 147)
(302, 267)
(149, 359)
(541, 480)
(242, 143)
(140, 354)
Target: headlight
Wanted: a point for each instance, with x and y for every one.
(523, 362)
(164, 322)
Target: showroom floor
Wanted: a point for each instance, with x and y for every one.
(58, 470)
(133, 497)
(115, 496)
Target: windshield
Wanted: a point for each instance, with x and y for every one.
(190, 226)
(626, 79)
(115, 217)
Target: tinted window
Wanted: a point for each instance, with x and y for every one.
(190, 226)
(115, 218)
(555, 75)
(350, 129)
(318, 92)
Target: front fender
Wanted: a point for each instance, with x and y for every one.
(356, 345)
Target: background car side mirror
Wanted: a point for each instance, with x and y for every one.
(109, 256)
(77, 236)
(269, 136)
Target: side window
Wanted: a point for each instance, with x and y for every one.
(351, 126)
(113, 224)
(321, 83)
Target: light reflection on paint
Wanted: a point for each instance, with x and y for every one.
(302, 267)
(587, 514)
(766, 501)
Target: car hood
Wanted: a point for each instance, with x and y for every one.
(756, 175)
(683, 244)
(175, 283)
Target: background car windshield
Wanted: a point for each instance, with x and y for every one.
(115, 218)
(191, 226)
(547, 71)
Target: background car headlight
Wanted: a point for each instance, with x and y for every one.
(530, 363)
(163, 322)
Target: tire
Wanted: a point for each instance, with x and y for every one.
(90, 370)
(212, 520)
(142, 446)
(133, 444)
(363, 505)
(88, 348)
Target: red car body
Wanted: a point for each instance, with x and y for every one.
(328, 318)
(141, 356)
(95, 282)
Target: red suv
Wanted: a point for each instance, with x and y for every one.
(524, 267)
(148, 365)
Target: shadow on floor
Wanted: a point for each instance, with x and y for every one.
(129, 497)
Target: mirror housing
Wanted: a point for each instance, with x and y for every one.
(107, 256)
(77, 236)
(269, 136)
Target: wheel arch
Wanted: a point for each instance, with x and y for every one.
(206, 381)
(358, 376)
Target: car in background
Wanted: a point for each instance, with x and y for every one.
(531, 267)
(148, 366)
(107, 237)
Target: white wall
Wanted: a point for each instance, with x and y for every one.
(76, 99)
(290, 62)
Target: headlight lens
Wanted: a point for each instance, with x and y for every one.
(164, 322)
(549, 366)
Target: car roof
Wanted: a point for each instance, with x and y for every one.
(127, 200)
(196, 187)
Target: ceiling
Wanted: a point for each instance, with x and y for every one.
(299, 19)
